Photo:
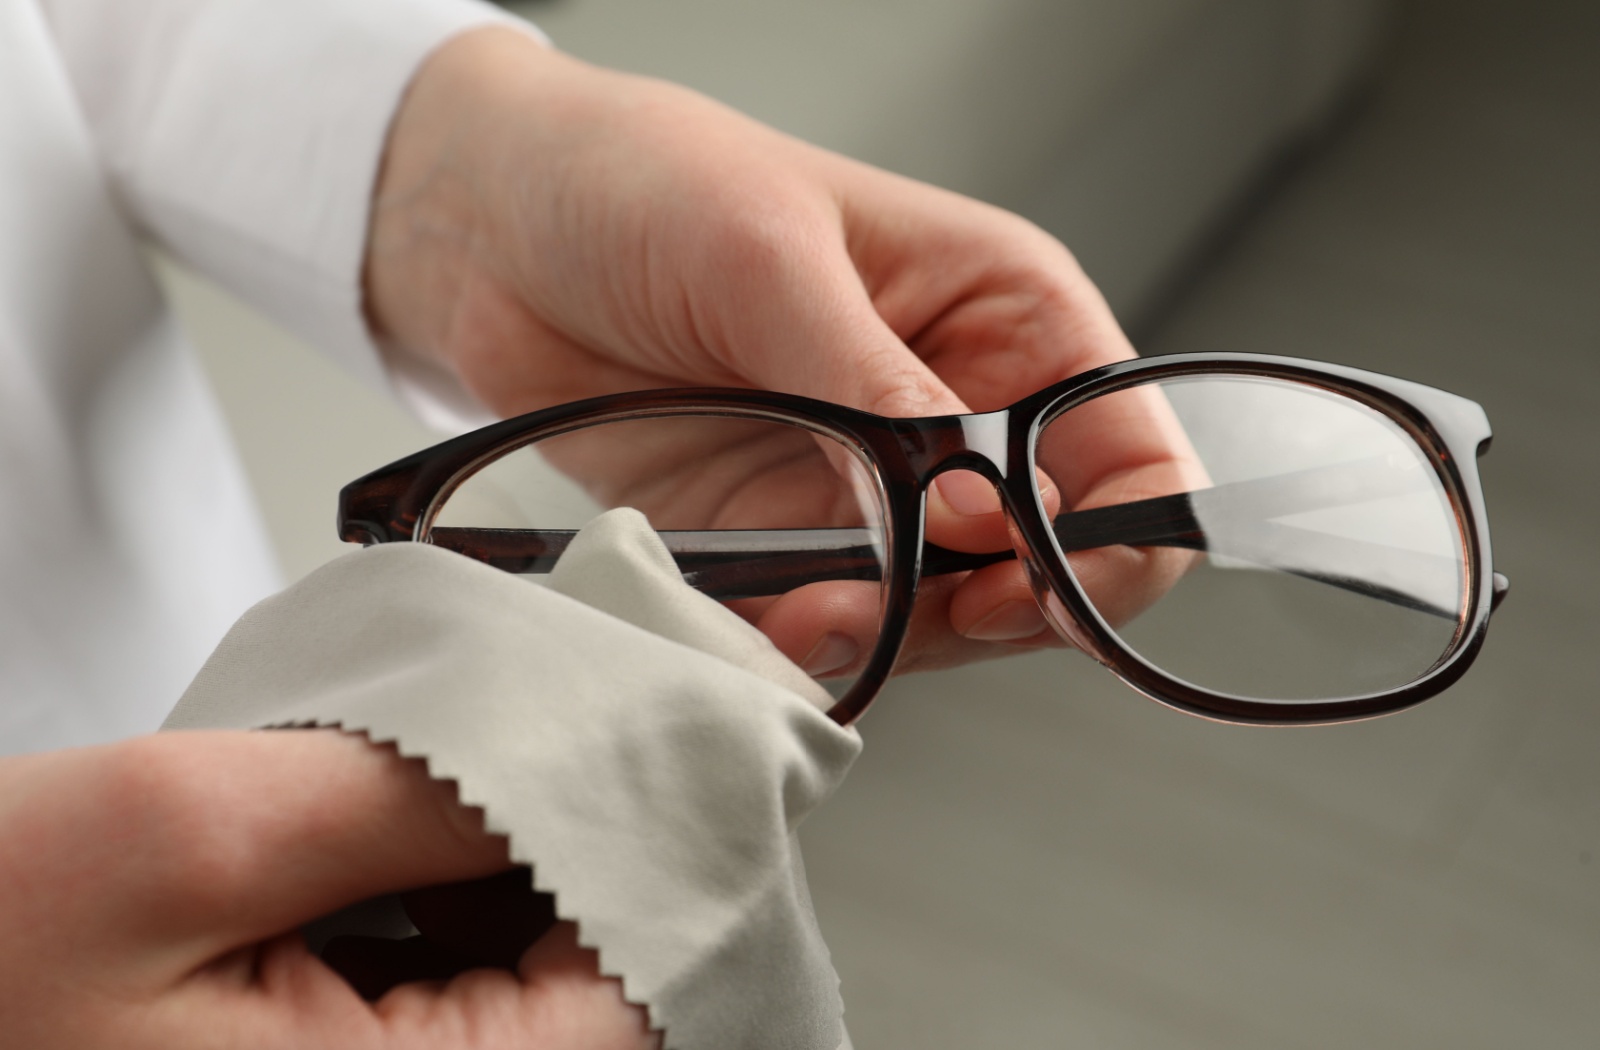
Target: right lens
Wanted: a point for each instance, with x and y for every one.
(1258, 537)
(783, 524)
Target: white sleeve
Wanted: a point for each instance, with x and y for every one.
(245, 135)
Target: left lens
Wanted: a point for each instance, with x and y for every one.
(782, 524)
(1261, 538)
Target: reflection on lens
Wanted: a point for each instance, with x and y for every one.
(1260, 538)
(781, 524)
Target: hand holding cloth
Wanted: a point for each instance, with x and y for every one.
(644, 750)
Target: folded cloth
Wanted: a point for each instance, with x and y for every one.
(645, 751)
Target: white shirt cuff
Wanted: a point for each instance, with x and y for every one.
(245, 135)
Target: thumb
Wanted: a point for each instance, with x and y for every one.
(809, 327)
(830, 343)
(206, 842)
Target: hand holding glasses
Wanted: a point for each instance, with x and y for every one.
(1253, 539)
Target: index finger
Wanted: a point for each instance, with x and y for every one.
(179, 848)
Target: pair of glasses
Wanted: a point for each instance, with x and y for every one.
(1248, 538)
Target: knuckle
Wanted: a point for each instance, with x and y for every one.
(902, 392)
(760, 239)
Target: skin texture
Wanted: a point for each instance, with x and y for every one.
(152, 888)
(548, 231)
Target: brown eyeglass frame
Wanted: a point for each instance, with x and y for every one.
(398, 503)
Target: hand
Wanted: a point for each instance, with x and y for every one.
(550, 231)
(150, 892)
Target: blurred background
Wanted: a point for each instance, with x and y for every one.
(1029, 854)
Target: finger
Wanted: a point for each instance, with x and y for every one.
(932, 642)
(829, 629)
(996, 604)
(514, 361)
(486, 922)
(581, 1009)
(798, 317)
(822, 336)
(996, 307)
(557, 1000)
(826, 339)
(964, 511)
(204, 842)
(1024, 317)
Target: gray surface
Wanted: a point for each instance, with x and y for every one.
(1023, 859)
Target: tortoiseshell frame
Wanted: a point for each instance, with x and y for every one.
(398, 502)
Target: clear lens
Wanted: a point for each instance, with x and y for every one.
(783, 525)
(1260, 538)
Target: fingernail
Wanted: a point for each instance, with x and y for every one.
(1011, 622)
(968, 493)
(832, 652)
(1045, 483)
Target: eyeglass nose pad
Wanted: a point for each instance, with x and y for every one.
(1056, 614)
(1502, 587)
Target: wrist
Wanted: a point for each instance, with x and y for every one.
(434, 202)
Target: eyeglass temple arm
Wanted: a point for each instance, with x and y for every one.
(1230, 520)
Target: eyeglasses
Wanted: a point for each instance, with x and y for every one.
(1247, 538)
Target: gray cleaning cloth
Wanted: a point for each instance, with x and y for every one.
(645, 751)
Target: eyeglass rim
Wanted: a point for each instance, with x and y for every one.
(398, 502)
